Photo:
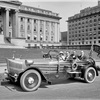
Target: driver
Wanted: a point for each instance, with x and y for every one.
(62, 55)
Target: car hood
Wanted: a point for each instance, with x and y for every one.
(35, 61)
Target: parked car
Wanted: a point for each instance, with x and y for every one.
(31, 72)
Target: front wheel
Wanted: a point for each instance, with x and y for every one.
(90, 75)
(30, 80)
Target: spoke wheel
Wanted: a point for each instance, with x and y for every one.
(30, 80)
(90, 75)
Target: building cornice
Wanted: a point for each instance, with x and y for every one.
(35, 8)
(40, 14)
(12, 2)
(85, 13)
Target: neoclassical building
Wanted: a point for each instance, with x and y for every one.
(23, 24)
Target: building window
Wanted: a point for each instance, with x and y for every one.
(41, 26)
(35, 25)
(9, 24)
(95, 28)
(90, 37)
(47, 27)
(99, 37)
(98, 32)
(21, 19)
(94, 42)
(35, 28)
(86, 38)
(46, 38)
(35, 21)
(99, 41)
(99, 28)
(52, 38)
(52, 28)
(90, 21)
(41, 37)
(28, 37)
(28, 20)
(86, 42)
(90, 29)
(35, 37)
(28, 27)
(22, 34)
(21, 27)
(95, 20)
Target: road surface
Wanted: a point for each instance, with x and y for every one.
(64, 89)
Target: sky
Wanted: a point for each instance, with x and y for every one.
(65, 8)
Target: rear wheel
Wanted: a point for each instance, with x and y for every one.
(90, 75)
(30, 80)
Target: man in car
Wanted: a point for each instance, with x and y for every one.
(62, 56)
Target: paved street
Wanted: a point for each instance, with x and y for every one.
(66, 89)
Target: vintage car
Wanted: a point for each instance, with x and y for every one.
(31, 72)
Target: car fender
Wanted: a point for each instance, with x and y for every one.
(42, 75)
(85, 67)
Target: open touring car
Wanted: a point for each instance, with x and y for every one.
(31, 72)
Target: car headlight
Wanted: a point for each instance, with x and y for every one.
(29, 62)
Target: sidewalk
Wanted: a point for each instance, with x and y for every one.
(3, 66)
(11, 46)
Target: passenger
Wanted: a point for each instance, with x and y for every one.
(73, 55)
(62, 55)
(81, 56)
(67, 55)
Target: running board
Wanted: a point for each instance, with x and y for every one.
(73, 72)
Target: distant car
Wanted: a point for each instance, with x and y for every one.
(31, 72)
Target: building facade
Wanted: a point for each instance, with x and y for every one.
(24, 24)
(84, 27)
(64, 38)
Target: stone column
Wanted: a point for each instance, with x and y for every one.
(32, 30)
(19, 27)
(50, 31)
(58, 33)
(44, 31)
(38, 30)
(6, 23)
(26, 28)
(55, 32)
(15, 24)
